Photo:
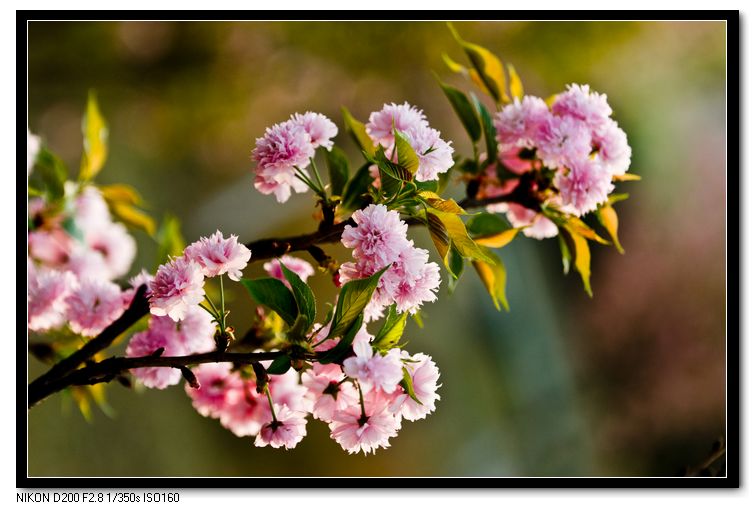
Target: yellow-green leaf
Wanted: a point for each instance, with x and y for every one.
(439, 235)
(453, 65)
(626, 177)
(515, 83)
(582, 258)
(120, 193)
(133, 217)
(493, 277)
(358, 132)
(615, 198)
(576, 225)
(79, 395)
(444, 205)
(610, 220)
(98, 394)
(457, 233)
(170, 241)
(95, 133)
(488, 66)
(391, 331)
(498, 240)
(406, 156)
(565, 253)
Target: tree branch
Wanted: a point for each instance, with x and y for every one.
(109, 369)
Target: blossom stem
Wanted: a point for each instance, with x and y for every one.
(222, 305)
(361, 400)
(308, 181)
(317, 176)
(210, 311)
(212, 304)
(270, 401)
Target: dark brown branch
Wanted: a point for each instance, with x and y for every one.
(276, 247)
(111, 368)
(138, 308)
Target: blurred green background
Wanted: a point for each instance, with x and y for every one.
(631, 382)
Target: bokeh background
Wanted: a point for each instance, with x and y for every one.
(631, 382)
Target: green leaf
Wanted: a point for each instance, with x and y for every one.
(53, 172)
(565, 253)
(340, 350)
(582, 258)
(443, 180)
(463, 109)
(487, 65)
(95, 133)
(488, 129)
(493, 277)
(170, 241)
(408, 385)
(455, 263)
(429, 186)
(391, 168)
(305, 299)
(460, 238)
(338, 169)
(391, 331)
(353, 194)
(352, 299)
(70, 226)
(406, 156)
(455, 268)
(280, 365)
(357, 131)
(486, 224)
(515, 83)
(273, 294)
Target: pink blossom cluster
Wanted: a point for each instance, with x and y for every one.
(178, 285)
(286, 146)
(231, 397)
(435, 155)
(193, 334)
(328, 392)
(369, 424)
(83, 240)
(87, 305)
(378, 241)
(576, 138)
